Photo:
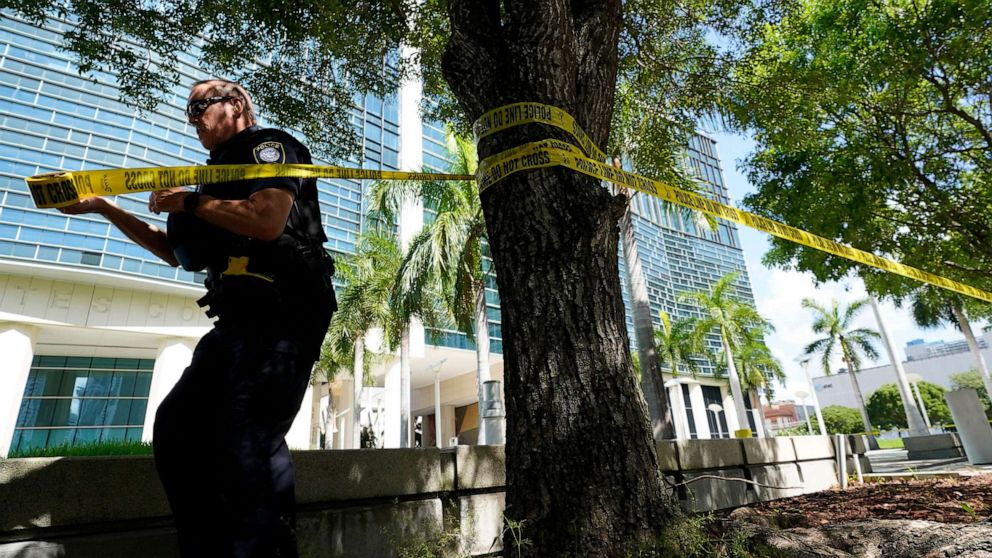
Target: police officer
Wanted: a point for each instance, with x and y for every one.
(219, 435)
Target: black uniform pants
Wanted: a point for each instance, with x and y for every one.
(220, 446)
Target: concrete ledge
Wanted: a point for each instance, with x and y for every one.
(934, 446)
(809, 448)
(716, 494)
(338, 475)
(667, 456)
(931, 442)
(709, 454)
(768, 450)
(818, 475)
(479, 466)
(56, 491)
(366, 531)
(783, 476)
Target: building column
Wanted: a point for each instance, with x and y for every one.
(17, 348)
(391, 437)
(174, 355)
(699, 412)
(730, 411)
(679, 416)
(447, 424)
(298, 436)
(347, 428)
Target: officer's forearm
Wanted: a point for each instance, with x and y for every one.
(144, 234)
(262, 216)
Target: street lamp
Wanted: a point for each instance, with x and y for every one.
(717, 409)
(802, 395)
(914, 381)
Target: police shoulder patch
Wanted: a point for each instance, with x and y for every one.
(269, 153)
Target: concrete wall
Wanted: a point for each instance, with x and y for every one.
(355, 503)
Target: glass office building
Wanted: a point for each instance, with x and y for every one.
(681, 253)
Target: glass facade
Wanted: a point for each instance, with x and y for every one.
(53, 119)
(679, 254)
(80, 400)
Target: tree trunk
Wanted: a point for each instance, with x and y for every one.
(406, 428)
(976, 351)
(652, 382)
(481, 353)
(581, 468)
(857, 394)
(914, 416)
(735, 385)
(358, 373)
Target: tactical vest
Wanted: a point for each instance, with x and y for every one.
(251, 279)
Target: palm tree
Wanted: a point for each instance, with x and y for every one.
(732, 319)
(757, 368)
(363, 304)
(677, 345)
(447, 255)
(852, 343)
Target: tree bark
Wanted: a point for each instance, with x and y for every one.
(652, 382)
(892, 538)
(329, 420)
(582, 472)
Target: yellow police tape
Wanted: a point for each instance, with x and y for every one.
(550, 153)
(65, 188)
(59, 189)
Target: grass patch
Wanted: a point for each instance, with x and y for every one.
(890, 444)
(122, 447)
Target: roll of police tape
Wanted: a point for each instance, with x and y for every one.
(60, 189)
(550, 153)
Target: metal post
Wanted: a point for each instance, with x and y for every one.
(841, 447)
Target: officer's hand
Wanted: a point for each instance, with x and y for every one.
(167, 201)
(87, 205)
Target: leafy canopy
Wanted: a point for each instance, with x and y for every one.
(874, 128)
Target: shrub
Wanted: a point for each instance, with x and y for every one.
(886, 411)
(839, 420)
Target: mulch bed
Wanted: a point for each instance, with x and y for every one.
(945, 500)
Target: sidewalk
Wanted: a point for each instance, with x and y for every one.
(895, 461)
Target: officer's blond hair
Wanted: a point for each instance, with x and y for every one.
(223, 87)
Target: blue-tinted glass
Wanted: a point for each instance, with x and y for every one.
(92, 412)
(137, 413)
(64, 415)
(134, 434)
(142, 384)
(98, 384)
(118, 411)
(87, 436)
(60, 436)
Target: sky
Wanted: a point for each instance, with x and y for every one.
(778, 293)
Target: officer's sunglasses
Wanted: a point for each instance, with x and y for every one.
(199, 106)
